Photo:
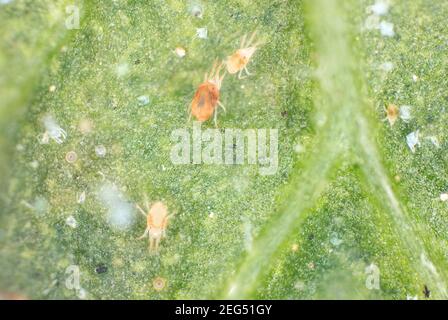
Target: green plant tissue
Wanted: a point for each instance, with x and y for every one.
(323, 175)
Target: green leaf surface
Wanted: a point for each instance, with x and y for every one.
(349, 199)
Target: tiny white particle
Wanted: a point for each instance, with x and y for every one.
(405, 113)
(299, 285)
(82, 197)
(387, 29)
(41, 205)
(196, 10)
(34, 164)
(299, 148)
(201, 33)
(143, 100)
(180, 52)
(443, 197)
(321, 119)
(71, 222)
(232, 289)
(372, 22)
(335, 240)
(52, 88)
(387, 66)
(100, 151)
(120, 211)
(122, 69)
(412, 140)
(434, 141)
(44, 138)
(82, 294)
(409, 297)
(414, 78)
(380, 7)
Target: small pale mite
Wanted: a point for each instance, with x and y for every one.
(157, 219)
(237, 62)
(392, 113)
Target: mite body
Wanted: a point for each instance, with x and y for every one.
(206, 99)
(392, 113)
(156, 223)
(238, 61)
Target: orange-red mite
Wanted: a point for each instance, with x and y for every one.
(238, 61)
(206, 99)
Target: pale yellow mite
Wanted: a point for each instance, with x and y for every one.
(238, 61)
(156, 223)
(392, 113)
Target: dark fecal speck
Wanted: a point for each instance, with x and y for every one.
(101, 269)
(426, 291)
(284, 113)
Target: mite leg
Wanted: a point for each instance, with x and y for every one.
(140, 210)
(252, 37)
(151, 244)
(217, 71)
(243, 41)
(247, 71)
(215, 118)
(147, 203)
(222, 106)
(240, 74)
(213, 70)
(258, 43)
(189, 112)
(385, 110)
(156, 244)
(144, 234)
(221, 79)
